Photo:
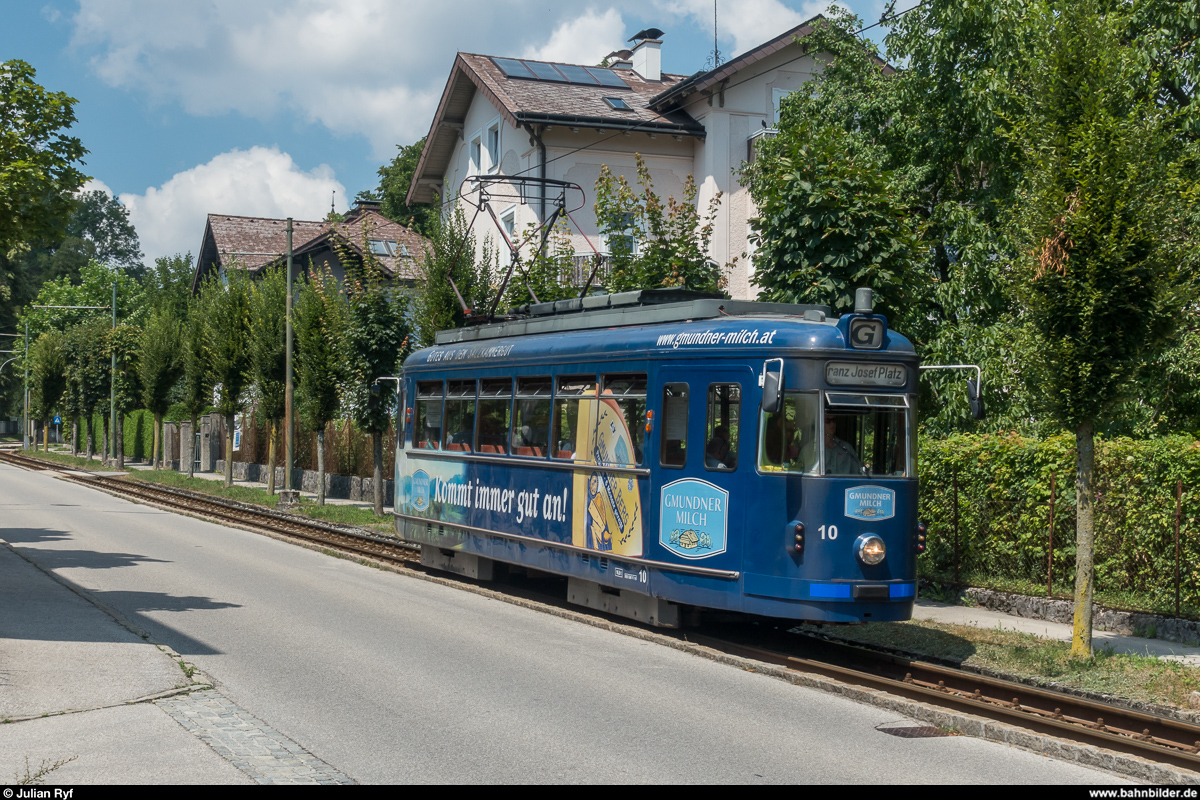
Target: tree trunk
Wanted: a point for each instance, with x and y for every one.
(320, 466)
(271, 459)
(1085, 497)
(377, 472)
(75, 437)
(155, 461)
(46, 435)
(120, 454)
(191, 466)
(229, 450)
(91, 439)
(104, 446)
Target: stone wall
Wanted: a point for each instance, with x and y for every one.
(340, 487)
(1105, 619)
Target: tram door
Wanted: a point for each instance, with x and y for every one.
(705, 456)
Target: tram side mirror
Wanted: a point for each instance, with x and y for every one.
(772, 383)
(975, 399)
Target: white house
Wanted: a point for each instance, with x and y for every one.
(502, 115)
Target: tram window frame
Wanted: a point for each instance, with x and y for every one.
(427, 393)
(533, 398)
(629, 391)
(460, 393)
(667, 458)
(806, 459)
(572, 390)
(495, 395)
(860, 409)
(732, 429)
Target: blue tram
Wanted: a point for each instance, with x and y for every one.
(664, 449)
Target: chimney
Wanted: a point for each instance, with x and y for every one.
(647, 54)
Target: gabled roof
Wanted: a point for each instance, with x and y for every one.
(248, 242)
(370, 226)
(710, 80)
(523, 102)
(251, 243)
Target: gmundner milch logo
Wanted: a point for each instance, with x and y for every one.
(420, 490)
(870, 502)
(693, 519)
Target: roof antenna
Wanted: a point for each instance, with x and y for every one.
(332, 194)
(716, 53)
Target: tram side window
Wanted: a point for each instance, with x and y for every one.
(673, 435)
(495, 409)
(459, 430)
(427, 430)
(621, 420)
(531, 417)
(787, 441)
(573, 418)
(723, 429)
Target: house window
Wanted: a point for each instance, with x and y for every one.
(777, 96)
(509, 220)
(623, 240)
(476, 156)
(493, 148)
(381, 247)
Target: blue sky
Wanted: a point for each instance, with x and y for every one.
(267, 107)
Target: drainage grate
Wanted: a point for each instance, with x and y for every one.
(914, 732)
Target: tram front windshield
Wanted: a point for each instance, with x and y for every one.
(839, 435)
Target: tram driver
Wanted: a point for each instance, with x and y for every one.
(840, 456)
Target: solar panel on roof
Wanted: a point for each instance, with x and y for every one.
(513, 68)
(545, 72)
(559, 73)
(577, 74)
(607, 77)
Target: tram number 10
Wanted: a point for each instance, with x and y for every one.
(828, 531)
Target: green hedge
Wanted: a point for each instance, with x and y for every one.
(1004, 508)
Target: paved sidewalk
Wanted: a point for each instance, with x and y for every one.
(984, 618)
(68, 675)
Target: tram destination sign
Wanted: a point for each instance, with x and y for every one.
(846, 373)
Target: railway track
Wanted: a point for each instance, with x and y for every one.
(1098, 724)
(345, 538)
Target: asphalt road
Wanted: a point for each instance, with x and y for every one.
(392, 679)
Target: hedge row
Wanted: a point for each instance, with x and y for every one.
(1003, 485)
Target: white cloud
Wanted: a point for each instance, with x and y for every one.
(583, 40)
(260, 182)
(374, 68)
(93, 185)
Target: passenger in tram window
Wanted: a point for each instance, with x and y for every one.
(781, 440)
(718, 455)
(467, 434)
(840, 457)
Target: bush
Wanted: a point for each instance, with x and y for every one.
(1003, 485)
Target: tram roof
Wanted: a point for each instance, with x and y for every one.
(636, 325)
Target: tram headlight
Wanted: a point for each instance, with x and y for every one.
(870, 549)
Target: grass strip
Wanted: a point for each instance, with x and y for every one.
(1024, 655)
(66, 459)
(338, 514)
